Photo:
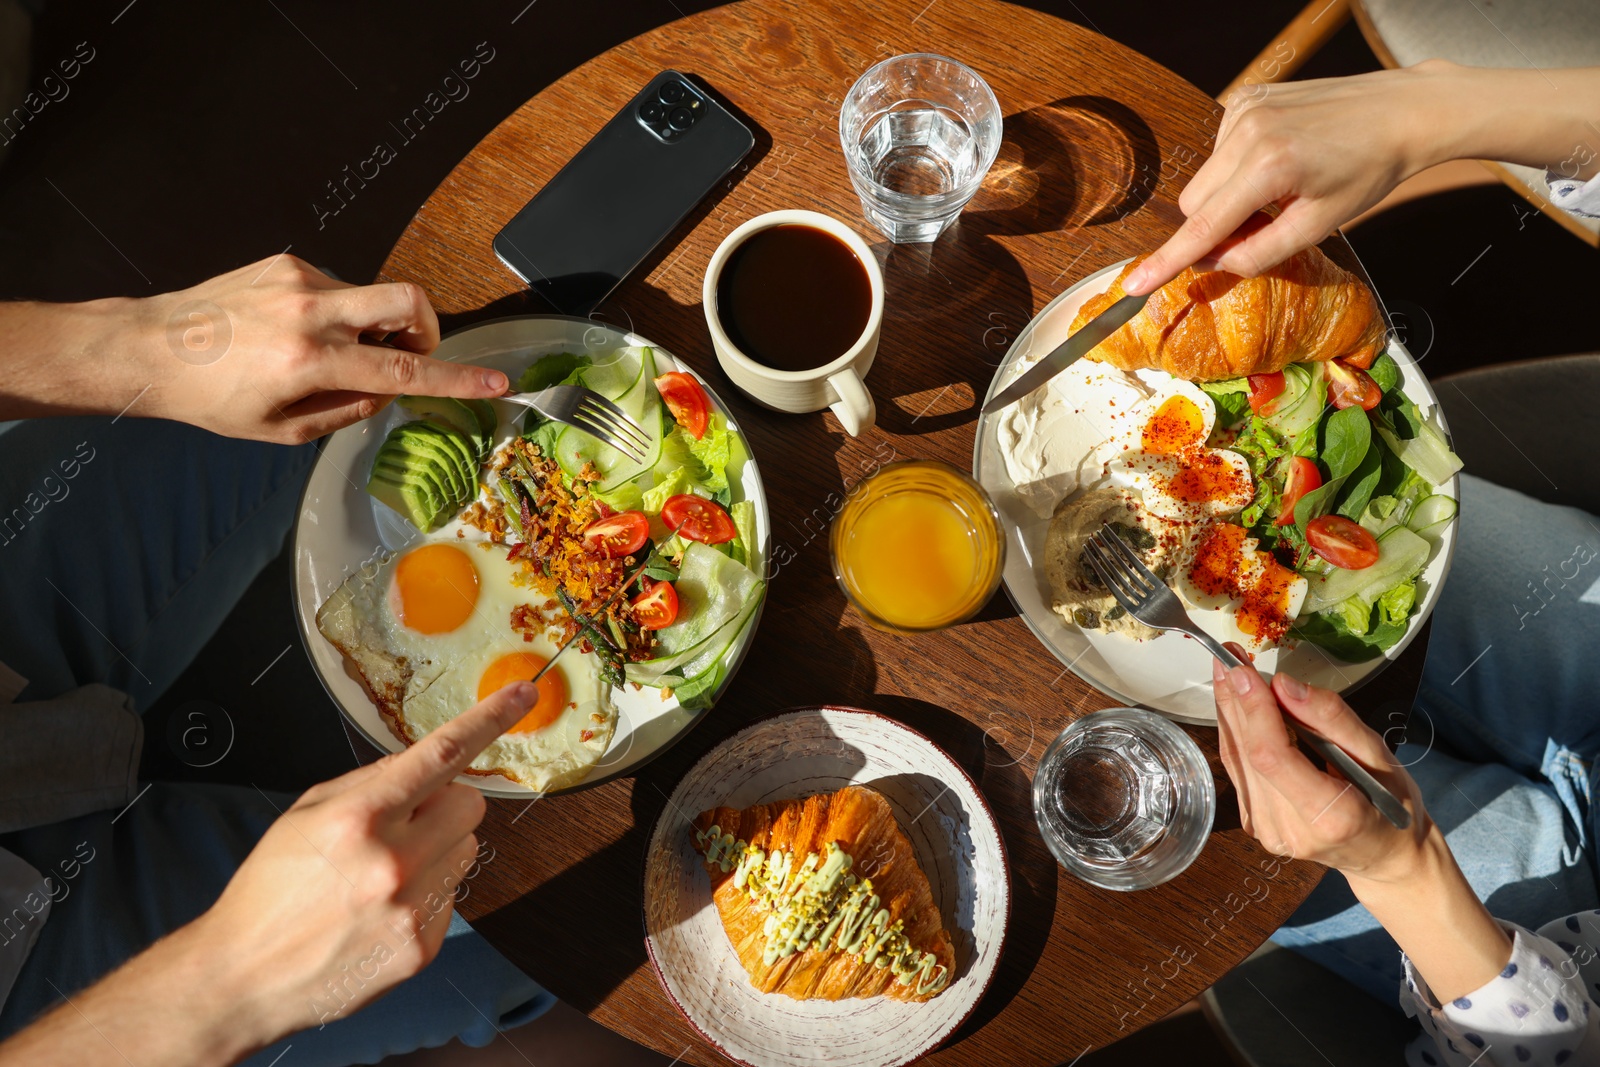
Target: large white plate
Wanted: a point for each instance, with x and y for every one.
(1171, 673)
(796, 754)
(341, 528)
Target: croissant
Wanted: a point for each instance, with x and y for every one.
(1203, 327)
(822, 898)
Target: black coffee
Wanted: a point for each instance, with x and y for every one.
(794, 297)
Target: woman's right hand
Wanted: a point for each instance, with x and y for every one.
(1293, 808)
(1322, 151)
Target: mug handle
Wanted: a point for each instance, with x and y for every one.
(854, 407)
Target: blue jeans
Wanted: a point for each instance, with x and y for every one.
(122, 548)
(1505, 736)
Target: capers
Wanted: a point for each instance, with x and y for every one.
(1087, 618)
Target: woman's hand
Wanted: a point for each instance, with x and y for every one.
(347, 894)
(1289, 805)
(1322, 151)
(1408, 878)
(273, 351)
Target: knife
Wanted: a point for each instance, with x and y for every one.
(1067, 352)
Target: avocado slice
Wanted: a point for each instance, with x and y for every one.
(450, 453)
(412, 492)
(473, 419)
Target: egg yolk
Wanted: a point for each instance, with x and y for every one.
(521, 667)
(1176, 425)
(436, 587)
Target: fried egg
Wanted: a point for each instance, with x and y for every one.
(430, 633)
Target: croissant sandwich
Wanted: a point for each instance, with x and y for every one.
(1204, 327)
(822, 898)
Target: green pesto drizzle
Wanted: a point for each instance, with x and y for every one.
(819, 903)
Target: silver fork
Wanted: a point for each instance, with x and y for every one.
(590, 412)
(1147, 598)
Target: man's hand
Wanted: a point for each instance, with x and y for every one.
(273, 351)
(347, 894)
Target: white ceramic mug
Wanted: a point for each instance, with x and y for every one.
(837, 384)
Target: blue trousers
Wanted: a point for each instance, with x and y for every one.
(1505, 736)
(123, 546)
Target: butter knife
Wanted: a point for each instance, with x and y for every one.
(1067, 352)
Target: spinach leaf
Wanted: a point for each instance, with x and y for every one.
(1386, 373)
(1363, 482)
(1343, 443)
(1345, 440)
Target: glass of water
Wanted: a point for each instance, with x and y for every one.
(919, 133)
(1124, 799)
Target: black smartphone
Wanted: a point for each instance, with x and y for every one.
(624, 191)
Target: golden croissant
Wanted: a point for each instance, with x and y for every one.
(1204, 327)
(823, 898)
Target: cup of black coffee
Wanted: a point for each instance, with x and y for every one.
(794, 302)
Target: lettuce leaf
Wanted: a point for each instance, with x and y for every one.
(655, 498)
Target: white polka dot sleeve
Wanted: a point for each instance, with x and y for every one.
(1578, 197)
(1538, 1012)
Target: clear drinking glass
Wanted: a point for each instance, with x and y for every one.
(1124, 799)
(919, 133)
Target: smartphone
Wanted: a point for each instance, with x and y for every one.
(624, 191)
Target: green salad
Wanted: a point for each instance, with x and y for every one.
(1347, 472)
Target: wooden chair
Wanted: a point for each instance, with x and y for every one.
(1510, 33)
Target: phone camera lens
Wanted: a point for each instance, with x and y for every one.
(681, 118)
(672, 92)
(652, 112)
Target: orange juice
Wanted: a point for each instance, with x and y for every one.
(917, 546)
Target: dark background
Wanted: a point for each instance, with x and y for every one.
(200, 136)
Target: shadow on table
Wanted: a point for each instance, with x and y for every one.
(991, 759)
(1078, 162)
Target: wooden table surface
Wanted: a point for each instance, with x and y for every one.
(1098, 143)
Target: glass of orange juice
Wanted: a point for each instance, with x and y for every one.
(918, 546)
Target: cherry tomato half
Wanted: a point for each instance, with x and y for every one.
(686, 400)
(698, 519)
(1342, 542)
(657, 606)
(1303, 477)
(618, 535)
(1350, 387)
(1264, 392)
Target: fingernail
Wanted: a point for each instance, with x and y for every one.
(1134, 282)
(1243, 679)
(1207, 265)
(1292, 687)
(494, 381)
(1218, 673)
(526, 693)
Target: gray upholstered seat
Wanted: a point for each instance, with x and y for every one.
(1529, 426)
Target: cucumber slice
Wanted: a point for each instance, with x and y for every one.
(1401, 556)
(576, 449)
(1434, 511)
(1436, 530)
(1306, 397)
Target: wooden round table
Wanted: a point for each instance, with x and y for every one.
(1098, 142)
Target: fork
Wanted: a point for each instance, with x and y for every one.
(1147, 598)
(590, 412)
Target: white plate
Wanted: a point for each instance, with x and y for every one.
(796, 754)
(341, 528)
(1171, 673)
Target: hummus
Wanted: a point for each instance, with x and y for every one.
(1076, 592)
